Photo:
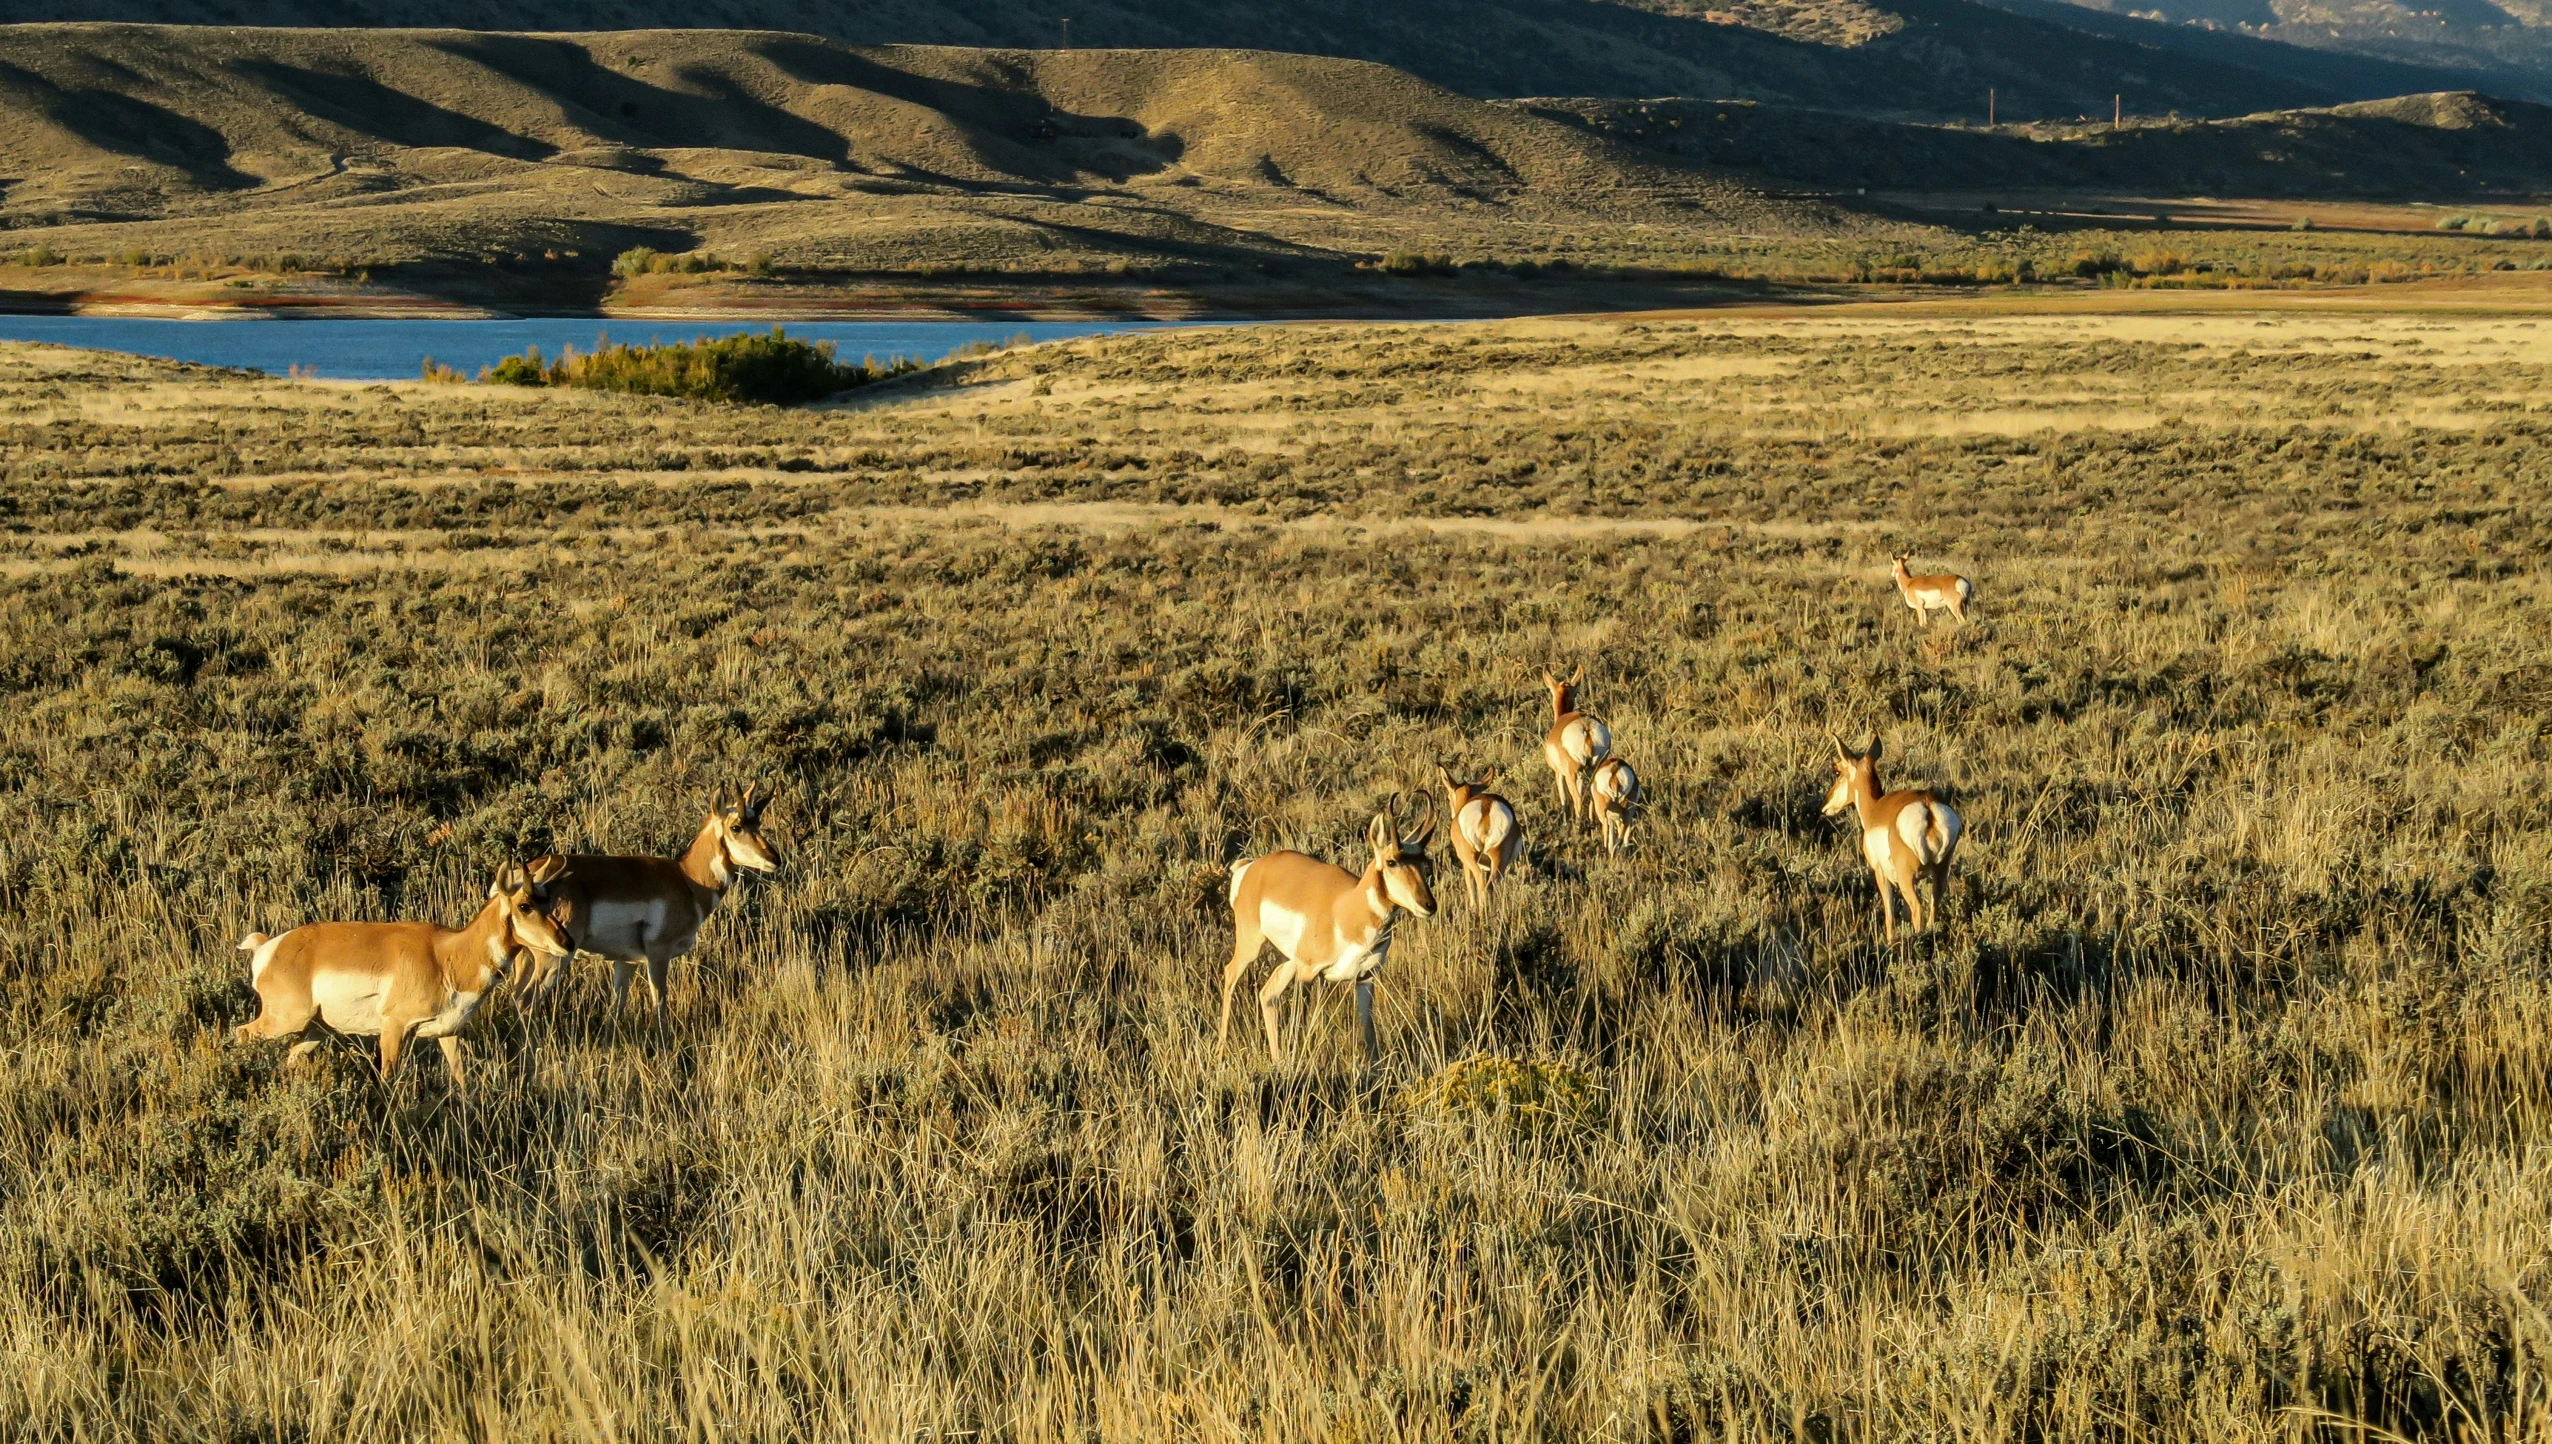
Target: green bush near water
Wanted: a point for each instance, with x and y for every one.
(775, 369)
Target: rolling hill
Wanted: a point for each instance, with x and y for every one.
(1921, 59)
(2456, 143)
(395, 147)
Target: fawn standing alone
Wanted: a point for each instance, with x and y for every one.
(1940, 589)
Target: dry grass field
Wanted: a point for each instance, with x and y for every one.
(2219, 1110)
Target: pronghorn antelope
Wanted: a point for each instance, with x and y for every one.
(1326, 921)
(1905, 836)
(1486, 836)
(1614, 791)
(1940, 589)
(1576, 741)
(398, 980)
(649, 910)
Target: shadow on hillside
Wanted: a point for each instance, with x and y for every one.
(1010, 128)
(129, 126)
(629, 111)
(368, 107)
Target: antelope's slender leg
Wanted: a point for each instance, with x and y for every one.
(1246, 942)
(1364, 1019)
(1909, 877)
(455, 1064)
(621, 973)
(1271, 1000)
(394, 1037)
(1887, 909)
(656, 969)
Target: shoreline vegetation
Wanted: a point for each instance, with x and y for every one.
(773, 369)
(643, 283)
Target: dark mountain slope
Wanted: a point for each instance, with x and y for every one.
(2416, 146)
(1919, 58)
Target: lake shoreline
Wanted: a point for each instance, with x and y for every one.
(403, 348)
(89, 289)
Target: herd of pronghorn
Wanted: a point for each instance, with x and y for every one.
(404, 980)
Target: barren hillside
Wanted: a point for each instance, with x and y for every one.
(400, 145)
(1931, 59)
(2456, 143)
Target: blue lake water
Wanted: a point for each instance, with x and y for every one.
(392, 350)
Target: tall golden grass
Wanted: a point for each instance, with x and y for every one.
(2217, 1111)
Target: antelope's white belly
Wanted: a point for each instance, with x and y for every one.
(1357, 964)
(456, 1013)
(349, 1002)
(1284, 927)
(627, 932)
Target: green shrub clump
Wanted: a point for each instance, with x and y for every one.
(1529, 1093)
(648, 261)
(1416, 263)
(775, 369)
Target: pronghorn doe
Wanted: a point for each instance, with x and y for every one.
(1326, 921)
(1486, 836)
(1615, 793)
(1940, 589)
(1905, 836)
(397, 980)
(1576, 742)
(649, 910)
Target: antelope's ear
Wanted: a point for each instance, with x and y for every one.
(545, 870)
(1491, 779)
(1444, 777)
(1873, 752)
(1380, 834)
(1550, 681)
(1578, 677)
(1840, 754)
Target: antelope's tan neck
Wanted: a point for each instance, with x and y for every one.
(704, 862)
(1866, 800)
(467, 956)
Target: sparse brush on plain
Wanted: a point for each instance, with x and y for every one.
(648, 261)
(2216, 1106)
(1524, 1093)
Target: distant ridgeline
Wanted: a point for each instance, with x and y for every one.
(2413, 145)
(1925, 59)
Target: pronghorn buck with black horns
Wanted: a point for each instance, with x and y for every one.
(1576, 741)
(649, 910)
(1329, 923)
(1946, 590)
(1905, 836)
(1487, 838)
(1614, 791)
(398, 980)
